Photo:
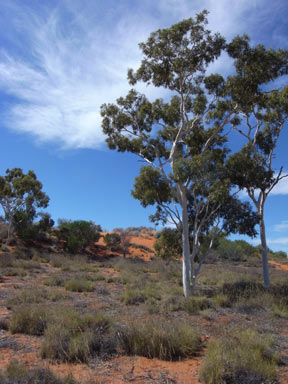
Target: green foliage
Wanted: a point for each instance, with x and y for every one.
(241, 356)
(20, 196)
(16, 373)
(28, 230)
(36, 296)
(191, 305)
(151, 188)
(30, 320)
(164, 340)
(78, 234)
(79, 284)
(77, 338)
(112, 240)
(168, 243)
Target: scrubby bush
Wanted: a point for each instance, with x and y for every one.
(36, 296)
(191, 305)
(30, 320)
(3, 230)
(166, 341)
(231, 250)
(112, 240)
(16, 373)
(79, 284)
(77, 235)
(27, 229)
(77, 338)
(240, 357)
(168, 243)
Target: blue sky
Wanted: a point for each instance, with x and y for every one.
(60, 60)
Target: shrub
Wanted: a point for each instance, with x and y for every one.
(30, 320)
(56, 280)
(16, 373)
(242, 289)
(141, 247)
(240, 357)
(112, 240)
(36, 296)
(79, 284)
(168, 243)
(166, 341)
(191, 305)
(231, 250)
(134, 295)
(27, 230)
(78, 338)
(77, 235)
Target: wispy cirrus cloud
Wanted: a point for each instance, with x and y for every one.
(60, 63)
(282, 227)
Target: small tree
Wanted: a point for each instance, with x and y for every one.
(168, 243)
(185, 177)
(78, 234)
(112, 240)
(260, 111)
(125, 242)
(20, 196)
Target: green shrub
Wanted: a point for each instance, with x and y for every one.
(79, 284)
(229, 250)
(78, 338)
(16, 373)
(191, 305)
(242, 289)
(56, 280)
(141, 246)
(112, 240)
(30, 320)
(77, 235)
(166, 341)
(133, 295)
(26, 229)
(168, 243)
(36, 296)
(243, 356)
(7, 260)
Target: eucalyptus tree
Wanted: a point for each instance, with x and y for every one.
(185, 176)
(20, 196)
(257, 95)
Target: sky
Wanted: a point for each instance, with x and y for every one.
(61, 60)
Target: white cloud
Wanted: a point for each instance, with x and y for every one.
(65, 62)
(60, 89)
(283, 226)
(281, 188)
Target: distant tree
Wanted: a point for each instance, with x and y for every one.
(20, 196)
(259, 112)
(168, 243)
(26, 229)
(186, 173)
(125, 242)
(112, 240)
(78, 234)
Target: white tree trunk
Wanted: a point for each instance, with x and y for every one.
(264, 252)
(186, 250)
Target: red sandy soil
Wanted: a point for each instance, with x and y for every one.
(279, 266)
(145, 239)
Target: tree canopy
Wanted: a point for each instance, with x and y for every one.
(20, 196)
